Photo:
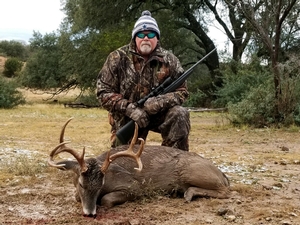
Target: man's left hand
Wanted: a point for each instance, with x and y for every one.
(154, 105)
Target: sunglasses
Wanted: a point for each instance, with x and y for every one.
(149, 35)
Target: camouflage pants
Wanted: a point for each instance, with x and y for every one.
(173, 125)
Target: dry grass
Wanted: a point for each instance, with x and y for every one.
(39, 126)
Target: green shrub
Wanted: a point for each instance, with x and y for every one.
(196, 99)
(250, 95)
(14, 49)
(297, 115)
(12, 66)
(256, 109)
(289, 98)
(89, 99)
(10, 97)
(237, 85)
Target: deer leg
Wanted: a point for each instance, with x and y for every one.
(200, 192)
(114, 198)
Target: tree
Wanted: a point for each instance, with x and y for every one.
(12, 66)
(240, 31)
(10, 97)
(43, 69)
(273, 16)
(14, 49)
(179, 19)
(85, 53)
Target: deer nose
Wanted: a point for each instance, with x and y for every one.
(90, 215)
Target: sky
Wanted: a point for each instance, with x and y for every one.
(19, 18)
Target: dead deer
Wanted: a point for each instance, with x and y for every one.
(111, 178)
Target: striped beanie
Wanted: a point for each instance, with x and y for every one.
(145, 22)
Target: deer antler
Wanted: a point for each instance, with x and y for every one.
(63, 148)
(127, 153)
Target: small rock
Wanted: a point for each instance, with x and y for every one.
(268, 219)
(222, 211)
(297, 162)
(285, 222)
(284, 180)
(209, 221)
(285, 149)
(231, 217)
(283, 162)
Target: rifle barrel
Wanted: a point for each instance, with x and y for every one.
(179, 81)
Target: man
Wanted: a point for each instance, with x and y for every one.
(130, 73)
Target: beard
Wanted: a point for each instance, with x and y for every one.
(145, 49)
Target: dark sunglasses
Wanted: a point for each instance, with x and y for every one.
(149, 35)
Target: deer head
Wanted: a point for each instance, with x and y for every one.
(89, 177)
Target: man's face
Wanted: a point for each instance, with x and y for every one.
(146, 42)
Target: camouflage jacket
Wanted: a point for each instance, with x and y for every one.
(126, 77)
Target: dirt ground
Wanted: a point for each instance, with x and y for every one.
(262, 164)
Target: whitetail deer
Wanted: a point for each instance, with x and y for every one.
(111, 178)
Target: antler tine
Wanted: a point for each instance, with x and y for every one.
(63, 148)
(138, 155)
(106, 163)
(127, 153)
(54, 153)
(135, 135)
(62, 133)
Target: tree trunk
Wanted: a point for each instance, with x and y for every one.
(212, 62)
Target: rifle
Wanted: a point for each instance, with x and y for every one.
(126, 132)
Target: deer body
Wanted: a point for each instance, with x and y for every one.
(164, 170)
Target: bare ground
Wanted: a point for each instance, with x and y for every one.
(262, 164)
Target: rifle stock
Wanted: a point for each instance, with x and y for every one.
(126, 132)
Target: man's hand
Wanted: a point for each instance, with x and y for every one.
(137, 114)
(154, 105)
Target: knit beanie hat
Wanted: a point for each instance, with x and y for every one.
(145, 22)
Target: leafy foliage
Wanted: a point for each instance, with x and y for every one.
(43, 69)
(238, 85)
(249, 94)
(85, 53)
(12, 66)
(89, 99)
(10, 97)
(196, 99)
(255, 109)
(288, 103)
(14, 49)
